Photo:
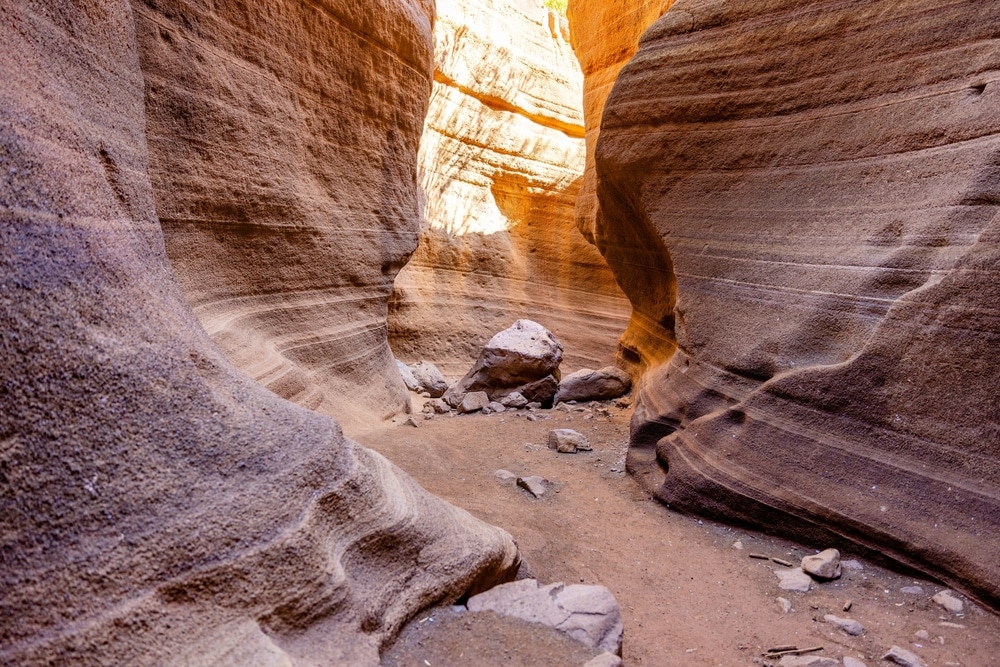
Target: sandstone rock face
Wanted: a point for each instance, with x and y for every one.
(282, 143)
(159, 507)
(818, 185)
(500, 161)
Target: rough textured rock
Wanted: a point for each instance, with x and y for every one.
(900, 656)
(429, 378)
(533, 484)
(949, 601)
(589, 614)
(824, 565)
(590, 385)
(808, 661)
(604, 660)
(500, 161)
(541, 391)
(793, 580)
(159, 507)
(801, 196)
(568, 441)
(282, 150)
(406, 374)
(474, 401)
(848, 625)
(523, 353)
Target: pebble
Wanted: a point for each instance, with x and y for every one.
(410, 421)
(824, 565)
(848, 625)
(738, 545)
(922, 635)
(532, 417)
(912, 590)
(793, 580)
(785, 604)
(534, 485)
(853, 662)
(949, 601)
(604, 660)
(901, 656)
(504, 475)
(807, 661)
(852, 564)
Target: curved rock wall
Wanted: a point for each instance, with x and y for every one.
(500, 162)
(282, 141)
(817, 184)
(159, 507)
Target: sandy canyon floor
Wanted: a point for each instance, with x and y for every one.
(690, 594)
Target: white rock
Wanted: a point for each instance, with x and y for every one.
(848, 625)
(784, 604)
(852, 564)
(496, 407)
(853, 662)
(589, 614)
(901, 656)
(514, 400)
(504, 475)
(825, 565)
(567, 441)
(912, 590)
(604, 660)
(794, 580)
(949, 601)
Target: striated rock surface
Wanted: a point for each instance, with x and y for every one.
(500, 161)
(282, 143)
(159, 507)
(817, 183)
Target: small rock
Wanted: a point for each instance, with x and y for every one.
(429, 378)
(540, 391)
(901, 656)
(534, 485)
(794, 580)
(487, 410)
(514, 400)
(853, 564)
(532, 417)
(504, 475)
(912, 590)
(807, 661)
(474, 401)
(568, 441)
(407, 374)
(438, 406)
(848, 625)
(624, 402)
(496, 407)
(949, 601)
(825, 565)
(922, 635)
(738, 545)
(785, 604)
(853, 662)
(604, 660)
(453, 398)
(534, 405)
(410, 421)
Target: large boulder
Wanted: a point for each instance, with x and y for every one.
(523, 353)
(799, 198)
(589, 385)
(159, 506)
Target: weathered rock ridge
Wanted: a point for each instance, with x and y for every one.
(500, 161)
(282, 148)
(804, 195)
(159, 507)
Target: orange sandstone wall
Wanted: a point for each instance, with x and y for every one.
(500, 163)
(812, 190)
(282, 141)
(160, 507)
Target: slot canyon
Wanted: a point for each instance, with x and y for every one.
(227, 226)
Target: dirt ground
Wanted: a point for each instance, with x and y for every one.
(689, 592)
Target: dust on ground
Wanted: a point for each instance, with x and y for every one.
(690, 594)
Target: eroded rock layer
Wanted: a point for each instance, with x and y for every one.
(159, 507)
(500, 162)
(282, 140)
(816, 184)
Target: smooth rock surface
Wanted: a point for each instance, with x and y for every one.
(853, 662)
(429, 378)
(805, 223)
(474, 401)
(823, 566)
(500, 162)
(901, 656)
(793, 580)
(589, 614)
(282, 144)
(406, 373)
(848, 625)
(159, 506)
(604, 660)
(807, 661)
(533, 484)
(949, 601)
(590, 385)
(568, 441)
(514, 400)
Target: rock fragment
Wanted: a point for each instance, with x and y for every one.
(848, 625)
(901, 656)
(410, 421)
(495, 406)
(604, 660)
(589, 614)
(568, 441)
(784, 604)
(586, 384)
(853, 662)
(474, 401)
(949, 601)
(407, 374)
(429, 378)
(794, 580)
(437, 406)
(912, 590)
(504, 475)
(533, 484)
(541, 391)
(514, 400)
(807, 661)
(824, 566)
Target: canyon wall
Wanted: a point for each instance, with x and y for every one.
(810, 190)
(159, 507)
(500, 164)
(282, 148)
